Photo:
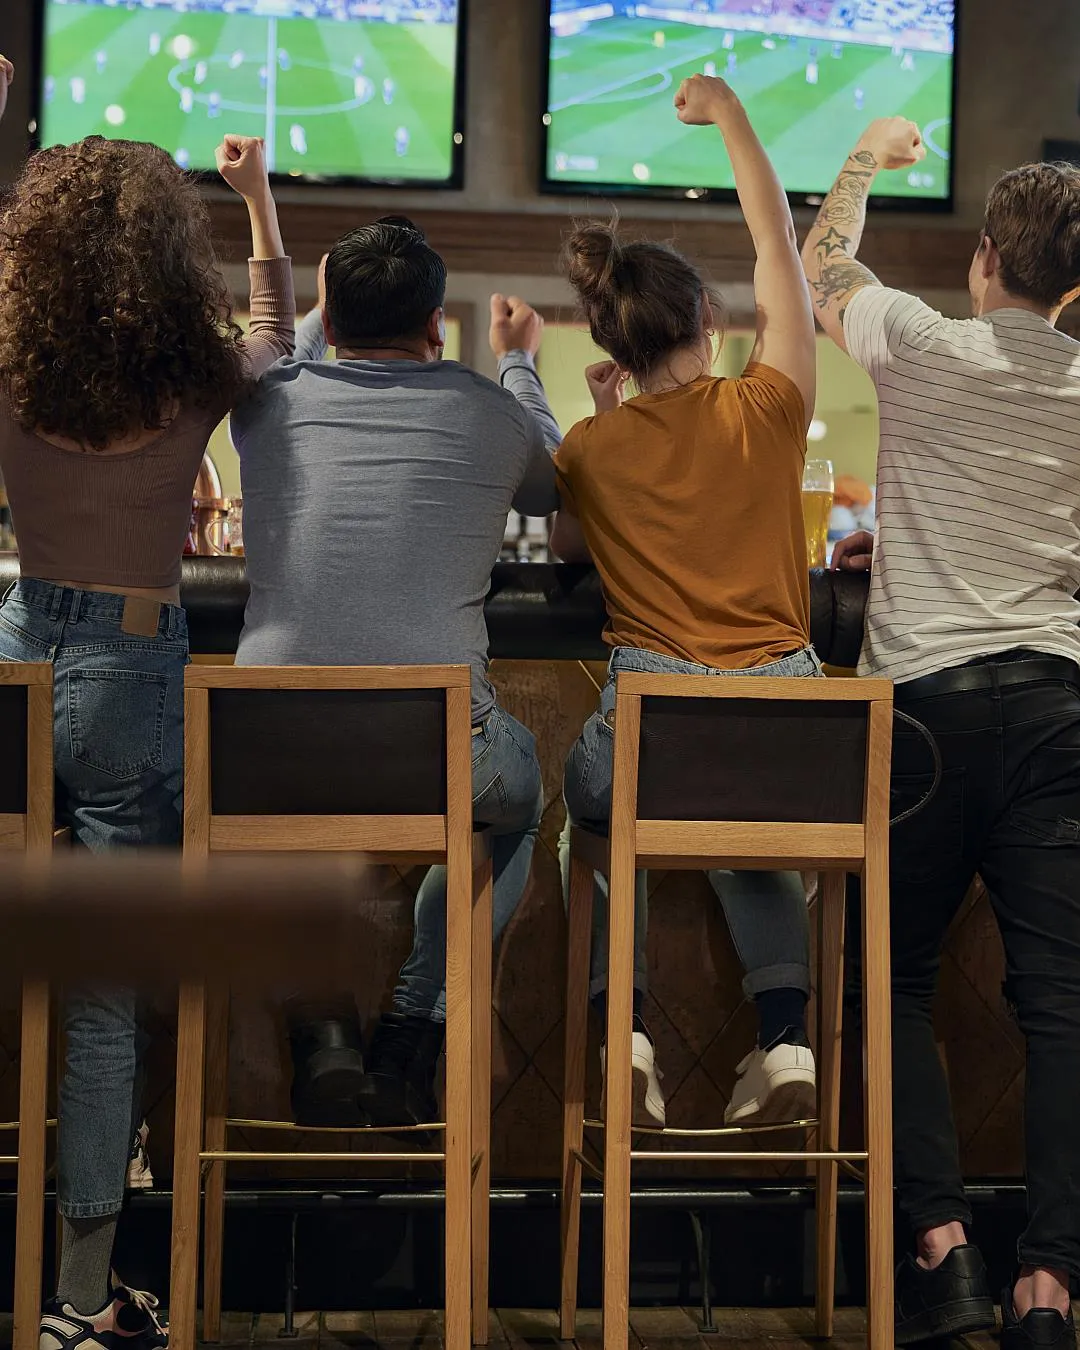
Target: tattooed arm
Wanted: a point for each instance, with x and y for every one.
(829, 252)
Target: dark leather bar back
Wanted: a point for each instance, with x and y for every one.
(743, 760)
(327, 752)
(13, 711)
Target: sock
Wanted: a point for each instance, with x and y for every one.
(781, 1012)
(599, 1003)
(85, 1261)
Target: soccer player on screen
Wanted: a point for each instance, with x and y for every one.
(401, 141)
(213, 105)
(389, 89)
(78, 89)
(101, 60)
(187, 100)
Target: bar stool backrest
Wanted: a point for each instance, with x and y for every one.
(741, 759)
(357, 758)
(321, 752)
(26, 767)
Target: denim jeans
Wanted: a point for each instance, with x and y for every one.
(119, 757)
(508, 798)
(1008, 808)
(766, 911)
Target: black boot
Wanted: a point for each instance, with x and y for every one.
(1040, 1329)
(399, 1086)
(328, 1064)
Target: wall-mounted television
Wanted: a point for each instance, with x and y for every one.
(812, 74)
(366, 91)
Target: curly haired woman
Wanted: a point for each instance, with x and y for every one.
(118, 357)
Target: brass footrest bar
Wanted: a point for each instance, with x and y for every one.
(588, 1165)
(14, 1125)
(228, 1155)
(677, 1155)
(13, 1161)
(725, 1131)
(332, 1129)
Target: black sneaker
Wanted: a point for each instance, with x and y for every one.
(328, 1072)
(1041, 1329)
(399, 1086)
(128, 1321)
(952, 1298)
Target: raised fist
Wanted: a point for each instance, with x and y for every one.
(241, 161)
(894, 142)
(7, 74)
(702, 99)
(607, 384)
(515, 326)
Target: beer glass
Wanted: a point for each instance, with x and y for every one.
(818, 488)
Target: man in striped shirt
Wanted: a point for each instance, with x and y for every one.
(973, 614)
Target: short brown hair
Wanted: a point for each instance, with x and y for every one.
(112, 307)
(642, 301)
(1033, 217)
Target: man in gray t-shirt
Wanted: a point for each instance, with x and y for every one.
(376, 492)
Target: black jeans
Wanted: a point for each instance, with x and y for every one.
(1008, 809)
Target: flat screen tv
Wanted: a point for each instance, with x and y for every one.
(343, 90)
(812, 74)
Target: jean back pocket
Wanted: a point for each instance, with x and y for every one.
(116, 719)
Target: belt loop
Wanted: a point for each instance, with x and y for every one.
(57, 604)
(75, 604)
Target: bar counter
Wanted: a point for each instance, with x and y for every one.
(545, 624)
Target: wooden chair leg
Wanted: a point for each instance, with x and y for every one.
(216, 1135)
(30, 1211)
(877, 1079)
(459, 1084)
(831, 889)
(620, 1011)
(190, 1065)
(577, 1034)
(481, 1099)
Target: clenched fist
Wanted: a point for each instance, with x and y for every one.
(702, 99)
(7, 74)
(607, 384)
(894, 142)
(515, 326)
(241, 161)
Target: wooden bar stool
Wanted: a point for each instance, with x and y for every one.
(26, 824)
(371, 760)
(750, 773)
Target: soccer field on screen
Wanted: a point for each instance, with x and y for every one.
(612, 119)
(316, 89)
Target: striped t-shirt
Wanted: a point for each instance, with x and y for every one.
(978, 548)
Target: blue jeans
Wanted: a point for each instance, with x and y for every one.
(766, 911)
(119, 759)
(508, 798)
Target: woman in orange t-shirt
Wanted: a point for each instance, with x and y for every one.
(688, 499)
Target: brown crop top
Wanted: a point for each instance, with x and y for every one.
(120, 519)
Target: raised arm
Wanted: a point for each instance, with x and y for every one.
(241, 161)
(7, 75)
(515, 335)
(785, 319)
(829, 252)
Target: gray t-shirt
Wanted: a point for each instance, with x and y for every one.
(375, 503)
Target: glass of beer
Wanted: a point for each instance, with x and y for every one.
(818, 488)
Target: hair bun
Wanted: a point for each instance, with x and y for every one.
(592, 254)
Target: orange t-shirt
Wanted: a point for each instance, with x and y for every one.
(691, 503)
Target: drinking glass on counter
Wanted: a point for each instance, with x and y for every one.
(818, 490)
(236, 526)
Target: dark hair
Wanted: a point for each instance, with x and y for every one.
(1033, 217)
(382, 282)
(642, 300)
(112, 307)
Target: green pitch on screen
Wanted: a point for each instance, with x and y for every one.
(612, 87)
(328, 82)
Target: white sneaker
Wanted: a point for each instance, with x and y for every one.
(647, 1108)
(774, 1087)
(139, 1176)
